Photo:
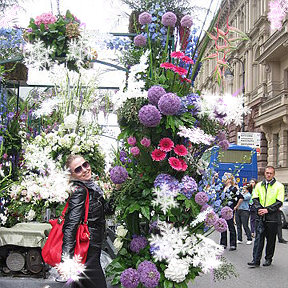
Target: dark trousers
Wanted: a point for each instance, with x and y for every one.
(253, 215)
(279, 227)
(242, 219)
(268, 231)
(232, 231)
(93, 276)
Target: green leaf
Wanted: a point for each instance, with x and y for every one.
(145, 212)
(168, 284)
(134, 207)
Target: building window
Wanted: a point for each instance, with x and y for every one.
(286, 79)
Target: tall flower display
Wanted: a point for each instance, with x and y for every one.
(161, 199)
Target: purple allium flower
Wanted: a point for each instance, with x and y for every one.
(161, 179)
(148, 273)
(145, 18)
(131, 140)
(221, 225)
(140, 40)
(135, 151)
(169, 19)
(138, 243)
(146, 142)
(205, 207)
(226, 213)
(118, 175)
(224, 145)
(188, 186)
(149, 116)
(130, 278)
(154, 94)
(169, 104)
(186, 21)
(211, 218)
(201, 198)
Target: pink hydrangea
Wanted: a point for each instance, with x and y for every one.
(45, 18)
(135, 151)
(131, 140)
(145, 142)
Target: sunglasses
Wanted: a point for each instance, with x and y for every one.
(79, 169)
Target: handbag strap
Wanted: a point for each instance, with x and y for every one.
(86, 207)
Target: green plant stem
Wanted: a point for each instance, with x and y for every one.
(166, 45)
(150, 48)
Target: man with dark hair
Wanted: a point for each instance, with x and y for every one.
(267, 198)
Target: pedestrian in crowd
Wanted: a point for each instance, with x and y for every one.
(242, 215)
(268, 198)
(234, 197)
(279, 230)
(80, 177)
(253, 211)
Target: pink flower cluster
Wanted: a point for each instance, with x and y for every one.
(135, 151)
(176, 69)
(167, 145)
(45, 18)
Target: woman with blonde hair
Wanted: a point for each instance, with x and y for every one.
(234, 199)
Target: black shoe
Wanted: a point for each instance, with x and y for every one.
(253, 264)
(267, 263)
(283, 241)
(232, 248)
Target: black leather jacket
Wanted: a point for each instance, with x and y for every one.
(75, 214)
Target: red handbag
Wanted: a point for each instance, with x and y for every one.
(52, 250)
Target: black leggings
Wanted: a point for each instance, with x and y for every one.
(93, 276)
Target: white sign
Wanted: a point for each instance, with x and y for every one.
(251, 139)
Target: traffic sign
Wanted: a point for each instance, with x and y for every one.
(251, 139)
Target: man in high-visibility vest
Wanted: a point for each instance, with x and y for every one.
(268, 197)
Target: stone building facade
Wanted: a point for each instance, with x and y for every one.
(263, 66)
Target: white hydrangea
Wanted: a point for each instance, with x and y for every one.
(30, 215)
(177, 270)
(70, 121)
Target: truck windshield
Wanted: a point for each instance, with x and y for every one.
(235, 156)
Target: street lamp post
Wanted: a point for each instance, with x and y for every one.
(243, 84)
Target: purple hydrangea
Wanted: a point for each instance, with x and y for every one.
(169, 104)
(161, 179)
(188, 186)
(226, 213)
(221, 225)
(201, 198)
(148, 273)
(145, 18)
(138, 243)
(169, 19)
(140, 40)
(186, 21)
(190, 103)
(154, 94)
(211, 218)
(118, 175)
(130, 278)
(149, 116)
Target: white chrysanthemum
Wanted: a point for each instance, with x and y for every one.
(47, 107)
(135, 87)
(201, 217)
(177, 270)
(165, 198)
(70, 269)
(170, 243)
(30, 215)
(206, 254)
(195, 135)
(36, 55)
(229, 106)
(70, 121)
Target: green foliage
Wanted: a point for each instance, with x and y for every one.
(225, 271)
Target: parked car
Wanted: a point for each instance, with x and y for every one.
(284, 213)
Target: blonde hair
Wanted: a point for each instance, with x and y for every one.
(228, 176)
(70, 159)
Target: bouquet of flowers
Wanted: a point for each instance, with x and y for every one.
(165, 212)
(58, 39)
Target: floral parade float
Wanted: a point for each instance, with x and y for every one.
(165, 200)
